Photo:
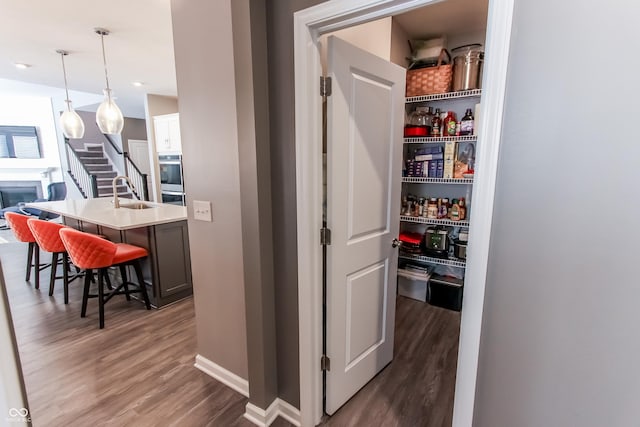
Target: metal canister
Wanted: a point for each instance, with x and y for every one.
(467, 67)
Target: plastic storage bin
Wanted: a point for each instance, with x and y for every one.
(413, 285)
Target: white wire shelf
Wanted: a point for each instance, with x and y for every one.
(418, 180)
(432, 260)
(447, 95)
(440, 139)
(423, 220)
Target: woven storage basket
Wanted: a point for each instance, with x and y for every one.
(425, 81)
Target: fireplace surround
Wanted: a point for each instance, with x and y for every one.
(14, 192)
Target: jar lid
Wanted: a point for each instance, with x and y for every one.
(467, 48)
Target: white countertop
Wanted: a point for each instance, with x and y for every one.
(101, 211)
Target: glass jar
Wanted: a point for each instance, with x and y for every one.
(432, 208)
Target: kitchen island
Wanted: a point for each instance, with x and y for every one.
(159, 228)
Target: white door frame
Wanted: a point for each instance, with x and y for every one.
(334, 15)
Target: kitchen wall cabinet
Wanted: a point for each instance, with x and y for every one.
(167, 133)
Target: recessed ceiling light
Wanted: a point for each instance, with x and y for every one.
(21, 66)
(138, 84)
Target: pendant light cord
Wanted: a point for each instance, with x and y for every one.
(104, 60)
(64, 73)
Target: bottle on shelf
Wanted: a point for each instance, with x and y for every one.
(454, 212)
(450, 124)
(467, 123)
(432, 208)
(463, 209)
(436, 124)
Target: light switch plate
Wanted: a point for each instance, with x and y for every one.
(202, 211)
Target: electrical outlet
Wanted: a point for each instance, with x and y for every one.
(202, 211)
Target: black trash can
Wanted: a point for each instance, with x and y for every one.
(445, 292)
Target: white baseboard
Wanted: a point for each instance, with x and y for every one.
(256, 415)
(278, 407)
(226, 377)
(289, 412)
(261, 417)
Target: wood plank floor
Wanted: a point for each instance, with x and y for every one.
(139, 369)
(416, 389)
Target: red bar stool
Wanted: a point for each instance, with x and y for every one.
(47, 235)
(91, 252)
(21, 230)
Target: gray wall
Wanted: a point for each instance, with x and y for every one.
(133, 129)
(250, 55)
(560, 340)
(283, 182)
(204, 57)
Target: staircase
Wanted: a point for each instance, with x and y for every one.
(96, 163)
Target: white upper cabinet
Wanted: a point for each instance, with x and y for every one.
(167, 133)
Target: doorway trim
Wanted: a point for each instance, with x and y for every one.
(309, 25)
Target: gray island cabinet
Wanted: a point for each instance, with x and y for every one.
(161, 229)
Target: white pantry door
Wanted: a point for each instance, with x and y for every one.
(365, 114)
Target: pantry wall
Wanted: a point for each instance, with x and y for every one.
(388, 39)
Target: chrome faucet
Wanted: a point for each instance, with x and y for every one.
(116, 202)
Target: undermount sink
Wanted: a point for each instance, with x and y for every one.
(137, 206)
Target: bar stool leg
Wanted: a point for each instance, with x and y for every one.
(54, 268)
(29, 260)
(143, 287)
(125, 284)
(65, 276)
(88, 274)
(36, 269)
(101, 273)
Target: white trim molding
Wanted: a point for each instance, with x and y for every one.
(264, 417)
(333, 15)
(498, 41)
(223, 375)
(289, 412)
(261, 417)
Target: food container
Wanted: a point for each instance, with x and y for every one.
(427, 50)
(467, 67)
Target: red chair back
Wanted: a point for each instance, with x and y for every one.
(87, 250)
(47, 234)
(18, 224)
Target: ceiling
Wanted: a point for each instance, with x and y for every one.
(445, 18)
(139, 48)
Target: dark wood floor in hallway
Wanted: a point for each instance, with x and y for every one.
(416, 388)
(139, 370)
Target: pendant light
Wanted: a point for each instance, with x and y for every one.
(71, 122)
(108, 116)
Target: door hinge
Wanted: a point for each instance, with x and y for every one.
(325, 236)
(325, 86)
(325, 363)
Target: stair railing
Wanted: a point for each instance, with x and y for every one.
(138, 179)
(86, 182)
